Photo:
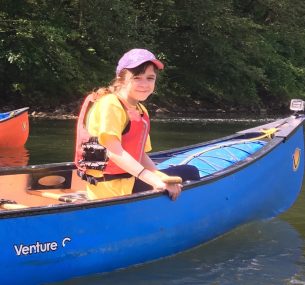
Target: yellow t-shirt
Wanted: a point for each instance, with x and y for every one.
(108, 117)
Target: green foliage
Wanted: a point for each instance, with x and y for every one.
(221, 53)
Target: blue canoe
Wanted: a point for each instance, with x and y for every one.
(49, 231)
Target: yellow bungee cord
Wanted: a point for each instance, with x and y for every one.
(267, 133)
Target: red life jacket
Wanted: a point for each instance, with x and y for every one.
(133, 139)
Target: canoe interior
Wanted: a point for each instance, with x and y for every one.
(43, 186)
(55, 184)
(17, 190)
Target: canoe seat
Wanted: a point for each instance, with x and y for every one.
(60, 179)
(55, 185)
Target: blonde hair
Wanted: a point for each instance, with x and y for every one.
(115, 85)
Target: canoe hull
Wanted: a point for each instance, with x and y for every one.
(14, 130)
(103, 237)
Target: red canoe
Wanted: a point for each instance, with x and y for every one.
(14, 128)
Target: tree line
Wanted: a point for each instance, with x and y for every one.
(217, 53)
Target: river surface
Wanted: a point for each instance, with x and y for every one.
(267, 252)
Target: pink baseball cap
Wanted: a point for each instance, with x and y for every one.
(136, 57)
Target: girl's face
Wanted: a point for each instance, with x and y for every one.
(139, 87)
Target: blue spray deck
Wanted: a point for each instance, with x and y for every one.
(210, 159)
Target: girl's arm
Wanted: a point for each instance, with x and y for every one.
(144, 170)
(148, 163)
(125, 161)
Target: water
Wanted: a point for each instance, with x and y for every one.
(268, 252)
(53, 140)
(261, 253)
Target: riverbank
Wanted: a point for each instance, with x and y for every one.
(161, 112)
(71, 111)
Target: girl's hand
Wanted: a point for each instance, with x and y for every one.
(174, 190)
(172, 183)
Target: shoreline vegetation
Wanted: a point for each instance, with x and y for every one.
(71, 111)
(223, 57)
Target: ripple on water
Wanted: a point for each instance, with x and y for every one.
(261, 253)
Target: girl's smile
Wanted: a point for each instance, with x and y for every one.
(138, 88)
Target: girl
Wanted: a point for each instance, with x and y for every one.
(120, 124)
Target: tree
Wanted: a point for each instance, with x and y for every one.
(221, 53)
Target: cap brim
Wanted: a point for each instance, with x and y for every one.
(158, 63)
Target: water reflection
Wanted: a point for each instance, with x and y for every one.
(14, 156)
(261, 253)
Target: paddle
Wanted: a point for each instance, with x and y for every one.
(169, 179)
(62, 197)
(13, 206)
(10, 205)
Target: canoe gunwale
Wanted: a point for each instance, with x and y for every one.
(265, 150)
(17, 113)
(36, 168)
(70, 165)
